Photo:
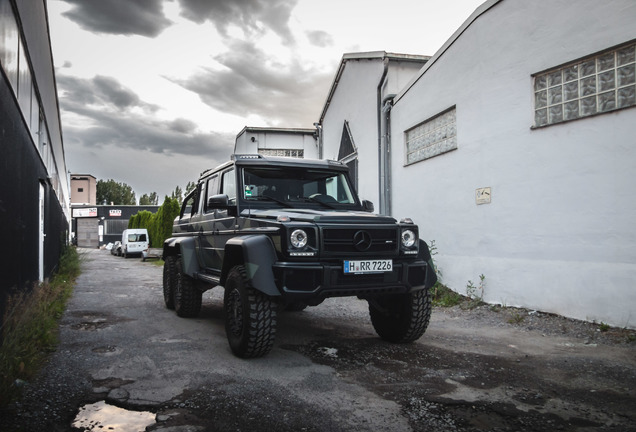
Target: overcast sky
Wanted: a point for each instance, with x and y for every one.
(153, 92)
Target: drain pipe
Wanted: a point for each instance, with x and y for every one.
(381, 166)
(318, 136)
(387, 104)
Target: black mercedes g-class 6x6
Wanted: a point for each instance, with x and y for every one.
(284, 233)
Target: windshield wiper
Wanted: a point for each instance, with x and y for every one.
(271, 198)
(324, 204)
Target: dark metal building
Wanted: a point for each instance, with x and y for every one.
(94, 226)
(34, 197)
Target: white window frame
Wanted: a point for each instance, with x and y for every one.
(434, 136)
(597, 84)
(293, 153)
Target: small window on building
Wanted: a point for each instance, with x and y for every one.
(348, 153)
(80, 189)
(295, 153)
(594, 85)
(433, 137)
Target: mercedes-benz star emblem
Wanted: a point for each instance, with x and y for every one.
(362, 240)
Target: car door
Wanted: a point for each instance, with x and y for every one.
(224, 222)
(205, 224)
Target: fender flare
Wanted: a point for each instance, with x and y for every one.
(425, 254)
(185, 247)
(258, 255)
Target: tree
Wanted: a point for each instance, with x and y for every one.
(112, 192)
(189, 187)
(159, 225)
(177, 195)
(151, 199)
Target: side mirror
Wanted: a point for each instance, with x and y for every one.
(367, 206)
(218, 202)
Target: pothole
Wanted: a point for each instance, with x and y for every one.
(107, 350)
(104, 417)
(93, 325)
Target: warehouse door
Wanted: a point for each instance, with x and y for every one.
(87, 232)
(41, 236)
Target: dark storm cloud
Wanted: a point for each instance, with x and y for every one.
(122, 17)
(105, 92)
(249, 15)
(110, 109)
(285, 95)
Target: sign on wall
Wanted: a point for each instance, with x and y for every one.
(114, 213)
(85, 212)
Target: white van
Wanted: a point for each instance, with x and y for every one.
(134, 241)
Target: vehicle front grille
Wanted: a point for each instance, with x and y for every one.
(359, 241)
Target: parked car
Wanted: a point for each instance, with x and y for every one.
(116, 248)
(134, 241)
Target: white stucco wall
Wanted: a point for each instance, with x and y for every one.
(559, 235)
(355, 100)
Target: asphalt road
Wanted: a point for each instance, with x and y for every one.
(123, 350)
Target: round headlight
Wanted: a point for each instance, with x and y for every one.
(298, 238)
(408, 238)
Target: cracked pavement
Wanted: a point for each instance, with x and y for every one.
(328, 370)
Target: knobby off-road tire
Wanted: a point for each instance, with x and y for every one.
(169, 280)
(187, 298)
(250, 317)
(401, 318)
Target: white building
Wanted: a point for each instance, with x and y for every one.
(301, 143)
(514, 148)
(352, 120)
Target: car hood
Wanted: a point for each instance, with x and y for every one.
(320, 216)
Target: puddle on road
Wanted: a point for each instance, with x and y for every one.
(104, 417)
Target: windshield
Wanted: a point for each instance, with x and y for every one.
(136, 237)
(292, 186)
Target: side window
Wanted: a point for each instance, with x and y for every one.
(228, 186)
(189, 203)
(213, 189)
(202, 202)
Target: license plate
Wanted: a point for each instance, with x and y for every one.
(367, 266)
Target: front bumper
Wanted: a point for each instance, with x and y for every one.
(304, 281)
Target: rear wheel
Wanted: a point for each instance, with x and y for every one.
(169, 280)
(187, 298)
(401, 318)
(250, 317)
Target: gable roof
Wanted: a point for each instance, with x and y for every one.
(371, 55)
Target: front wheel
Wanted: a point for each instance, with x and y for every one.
(401, 318)
(187, 298)
(250, 317)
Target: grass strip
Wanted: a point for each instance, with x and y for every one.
(29, 329)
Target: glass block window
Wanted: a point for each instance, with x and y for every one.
(295, 153)
(598, 84)
(432, 137)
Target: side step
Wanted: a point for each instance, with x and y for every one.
(209, 279)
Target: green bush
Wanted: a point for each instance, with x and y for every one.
(159, 225)
(30, 323)
(444, 296)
